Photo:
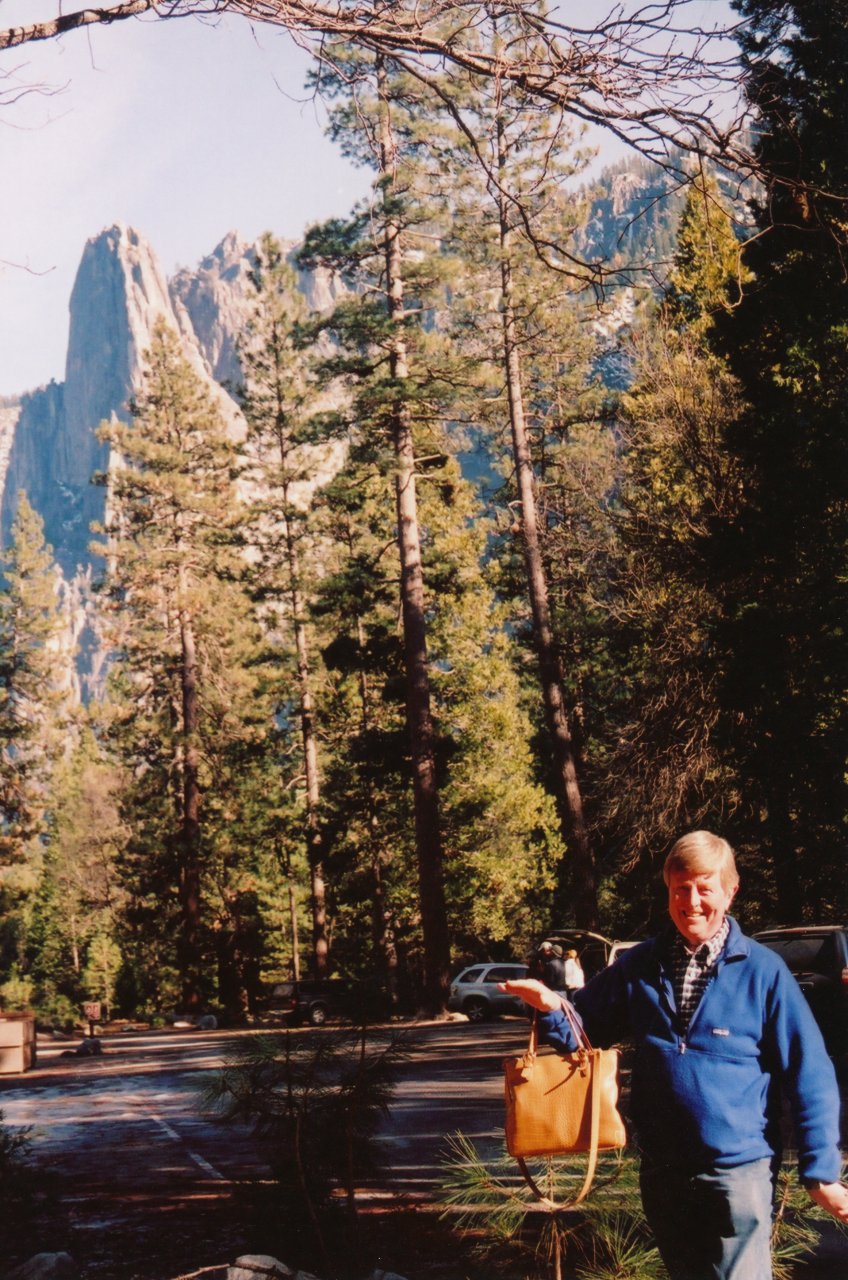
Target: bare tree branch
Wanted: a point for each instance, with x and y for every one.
(650, 76)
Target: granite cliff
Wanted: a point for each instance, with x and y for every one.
(48, 441)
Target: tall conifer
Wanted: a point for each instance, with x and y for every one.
(180, 629)
(34, 673)
(375, 250)
(787, 674)
(277, 398)
(511, 160)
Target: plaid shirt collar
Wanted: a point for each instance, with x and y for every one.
(691, 971)
(706, 953)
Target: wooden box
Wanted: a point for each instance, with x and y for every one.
(17, 1042)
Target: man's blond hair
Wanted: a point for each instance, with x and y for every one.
(699, 852)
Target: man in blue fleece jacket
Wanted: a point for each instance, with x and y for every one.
(721, 1029)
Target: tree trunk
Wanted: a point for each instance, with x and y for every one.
(284, 860)
(550, 669)
(189, 942)
(419, 719)
(314, 844)
(382, 931)
(314, 847)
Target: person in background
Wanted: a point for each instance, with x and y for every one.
(721, 1030)
(575, 979)
(548, 966)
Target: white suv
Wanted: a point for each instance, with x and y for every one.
(474, 991)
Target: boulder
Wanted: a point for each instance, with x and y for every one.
(89, 1047)
(258, 1266)
(46, 1266)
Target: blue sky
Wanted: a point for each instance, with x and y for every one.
(184, 129)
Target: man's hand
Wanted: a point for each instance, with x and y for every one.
(832, 1196)
(534, 993)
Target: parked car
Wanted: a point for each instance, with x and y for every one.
(616, 949)
(818, 958)
(595, 951)
(316, 1000)
(474, 991)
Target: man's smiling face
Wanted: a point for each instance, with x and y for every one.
(697, 903)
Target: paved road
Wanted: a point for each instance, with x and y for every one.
(125, 1139)
(142, 1096)
(137, 1164)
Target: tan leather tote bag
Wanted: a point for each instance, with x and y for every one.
(559, 1104)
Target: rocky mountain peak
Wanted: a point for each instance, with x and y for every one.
(119, 295)
(212, 302)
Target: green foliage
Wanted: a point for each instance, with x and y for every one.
(20, 1184)
(315, 1103)
(607, 1236)
(282, 460)
(34, 689)
(17, 991)
(79, 897)
(617, 1246)
(484, 1197)
(502, 834)
(633, 488)
(783, 561)
(189, 713)
(707, 275)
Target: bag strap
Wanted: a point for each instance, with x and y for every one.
(583, 1041)
(594, 1124)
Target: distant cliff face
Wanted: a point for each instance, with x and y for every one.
(634, 211)
(48, 441)
(213, 302)
(119, 295)
(37, 461)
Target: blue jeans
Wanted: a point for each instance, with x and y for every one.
(713, 1226)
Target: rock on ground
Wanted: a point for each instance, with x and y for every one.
(46, 1266)
(258, 1266)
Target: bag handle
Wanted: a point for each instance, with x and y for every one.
(583, 1041)
(594, 1118)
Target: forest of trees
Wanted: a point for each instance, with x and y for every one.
(365, 715)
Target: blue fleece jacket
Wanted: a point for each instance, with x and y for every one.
(710, 1098)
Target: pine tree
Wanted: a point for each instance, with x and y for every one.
(33, 712)
(185, 677)
(277, 399)
(500, 830)
(29, 663)
(675, 485)
(512, 213)
(368, 809)
(784, 560)
(80, 896)
(378, 334)
(707, 275)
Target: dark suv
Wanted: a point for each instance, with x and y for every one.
(818, 958)
(315, 1000)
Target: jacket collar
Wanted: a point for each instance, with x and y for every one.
(737, 944)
